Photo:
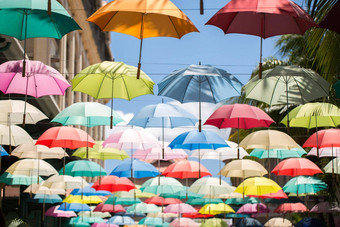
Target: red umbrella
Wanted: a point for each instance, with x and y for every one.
(66, 137)
(113, 184)
(330, 21)
(277, 195)
(160, 201)
(263, 18)
(324, 138)
(102, 207)
(186, 169)
(198, 215)
(296, 167)
(291, 208)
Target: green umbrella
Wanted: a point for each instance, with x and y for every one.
(15, 179)
(143, 208)
(112, 80)
(241, 201)
(83, 168)
(203, 201)
(278, 153)
(158, 185)
(304, 185)
(216, 222)
(98, 152)
(122, 200)
(149, 221)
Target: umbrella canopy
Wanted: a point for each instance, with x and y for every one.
(248, 222)
(160, 201)
(143, 208)
(195, 139)
(304, 184)
(122, 200)
(45, 198)
(134, 193)
(290, 199)
(14, 135)
(94, 214)
(65, 182)
(66, 137)
(257, 186)
(104, 225)
(113, 184)
(211, 186)
(156, 153)
(310, 222)
(328, 20)
(121, 220)
(268, 139)
(38, 152)
(256, 208)
(134, 168)
(16, 179)
(88, 191)
(273, 195)
(86, 220)
(296, 167)
(291, 208)
(325, 152)
(40, 189)
(333, 166)
(180, 208)
(313, 115)
(186, 169)
(31, 167)
(203, 201)
(278, 153)
(184, 193)
(149, 221)
(55, 212)
(241, 201)
(83, 168)
(100, 152)
(87, 114)
(216, 222)
(278, 222)
(161, 184)
(325, 207)
(243, 168)
(184, 222)
(33, 83)
(74, 207)
(214, 209)
(82, 199)
(102, 207)
(285, 85)
(324, 138)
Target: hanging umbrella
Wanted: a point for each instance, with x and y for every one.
(333, 166)
(197, 215)
(291, 208)
(75, 221)
(40, 189)
(186, 169)
(31, 167)
(216, 222)
(248, 222)
(200, 83)
(38, 152)
(184, 222)
(328, 20)
(304, 184)
(74, 207)
(310, 222)
(102, 207)
(149, 221)
(122, 200)
(112, 80)
(45, 198)
(180, 208)
(257, 186)
(158, 153)
(55, 212)
(290, 199)
(158, 185)
(113, 184)
(214, 209)
(143, 208)
(325, 207)
(104, 225)
(88, 191)
(100, 152)
(325, 152)
(134, 193)
(134, 168)
(143, 19)
(324, 138)
(278, 153)
(278, 222)
(203, 201)
(243, 168)
(296, 167)
(256, 208)
(65, 182)
(82, 199)
(16, 179)
(94, 214)
(211, 186)
(241, 201)
(182, 194)
(273, 195)
(14, 135)
(83, 168)
(121, 220)
(160, 201)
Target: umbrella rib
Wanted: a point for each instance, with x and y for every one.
(299, 89)
(276, 84)
(108, 21)
(179, 36)
(191, 78)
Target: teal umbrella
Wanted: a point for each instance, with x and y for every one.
(278, 153)
(183, 194)
(162, 184)
(84, 219)
(304, 185)
(15, 179)
(157, 222)
(241, 201)
(143, 208)
(45, 198)
(203, 201)
(83, 168)
(122, 200)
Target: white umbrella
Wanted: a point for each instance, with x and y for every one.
(31, 167)
(38, 152)
(65, 182)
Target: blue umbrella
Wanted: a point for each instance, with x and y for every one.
(74, 207)
(245, 222)
(193, 140)
(88, 191)
(121, 220)
(3, 151)
(310, 222)
(200, 83)
(137, 168)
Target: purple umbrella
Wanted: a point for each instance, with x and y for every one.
(253, 209)
(54, 212)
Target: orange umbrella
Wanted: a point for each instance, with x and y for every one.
(291, 208)
(143, 19)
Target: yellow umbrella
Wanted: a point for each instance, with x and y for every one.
(98, 152)
(214, 209)
(257, 186)
(83, 199)
(38, 152)
(243, 168)
(143, 19)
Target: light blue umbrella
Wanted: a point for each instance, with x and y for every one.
(134, 167)
(149, 221)
(278, 153)
(200, 83)
(304, 184)
(183, 194)
(121, 220)
(74, 207)
(10, 179)
(158, 185)
(44, 198)
(203, 201)
(3, 151)
(83, 168)
(143, 208)
(88, 191)
(241, 201)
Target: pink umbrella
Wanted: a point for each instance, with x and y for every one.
(253, 209)
(296, 167)
(186, 169)
(280, 194)
(102, 207)
(184, 222)
(103, 224)
(291, 208)
(156, 154)
(157, 200)
(325, 207)
(54, 212)
(180, 208)
(325, 152)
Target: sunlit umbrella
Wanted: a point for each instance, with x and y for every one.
(280, 194)
(82, 199)
(38, 152)
(186, 169)
(121, 220)
(134, 168)
(180, 208)
(65, 182)
(88, 191)
(74, 221)
(143, 208)
(94, 214)
(243, 168)
(291, 208)
(324, 138)
(157, 153)
(248, 222)
(278, 153)
(296, 167)
(55, 212)
(182, 194)
(83, 168)
(122, 200)
(134, 193)
(45, 198)
(14, 135)
(160, 201)
(104, 225)
(214, 209)
(184, 222)
(74, 207)
(40, 189)
(241, 201)
(304, 184)
(216, 222)
(113, 184)
(102, 207)
(10, 179)
(98, 152)
(257, 186)
(31, 167)
(255, 208)
(149, 221)
(211, 186)
(197, 215)
(203, 201)
(278, 222)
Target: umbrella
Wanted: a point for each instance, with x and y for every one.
(14, 135)
(83, 168)
(257, 186)
(74, 207)
(55, 212)
(296, 167)
(310, 222)
(200, 83)
(304, 184)
(263, 19)
(121, 220)
(134, 193)
(180, 208)
(243, 168)
(325, 207)
(86, 220)
(184, 222)
(104, 225)
(273, 195)
(122, 200)
(149, 221)
(333, 166)
(158, 153)
(45, 198)
(88, 191)
(182, 194)
(291, 208)
(290, 199)
(186, 169)
(112, 80)
(248, 222)
(102, 207)
(214, 209)
(16, 179)
(216, 222)
(241, 201)
(328, 20)
(31, 167)
(134, 168)
(239, 116)
(158, 185)
(143, 208)
(39, 189)
(87, 114)
(211, 186)
(197, 215)
(113, 184)
(278, 153)
(94, 214)
(278, 222)
(203, 201)
(256, 208)
(65, 182)
(38, 152)
(144, 19)
(100, 152)
(82, 199)
(157, 200)
(325, 152)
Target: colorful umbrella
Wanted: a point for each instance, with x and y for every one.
(161, 184)
(45, 198)
(134, 168)
(214, 209)
(102, 207)
(122, 200)
(74, 207)
(186, 169)
(16, 179)
(160, 201)
(149, 221)
(276, 222)
(86, 220)
(278, 153)
(296, 167)
(38, 152)
(88, 191)
(274, 195)
(180, 208)
(113, 184)
(184, 222)
(94, 214)
(216, 222)
(241, 201)
(134, 193)
(14, 135)
(143, 208)
(65, 182)
(200, 83)
(248, 222)
(257, 186)
(291, 208)
(256, 208)
(325, 152)
(211, 186)
(55, 212)
(304, 184)
(243, 168)
(104, 225)
(99, 152)
(83, 168)
(40, 189)
(182, 194)
(333, 166)
(121, 220)
(203, 201)
(324, 138)
(82, 199)
(158, 153)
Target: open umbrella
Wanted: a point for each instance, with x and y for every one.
(134, 193)
(182, 194)
(38, 152)
(203, 201)
(278, 153)
(325, 152)
(122, 200)
(256, 208)
(243, 168)
(102, 207)
(186, 169)
(333, 166)
(257, 186)
(180, 208)
(65, 182)
(214, 209)
(17, 179)
(158, 185)
(296, 167)
(55, 212)
(149, 221)
(262, 18)
(143, 19)
(304, 185)
(113, 184)
(241, 201)
(112, 80)
(330, 17)
(211, 186)
(291, 208)
(121, 220)
(278, 222)
(100, 152)
(93, 199)
(74, 207)
(158, 153)
(216, 222)
(134, 168)
(143, 208)
(83, 168)
(184, 222)
(200, 83)
(31, 167)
